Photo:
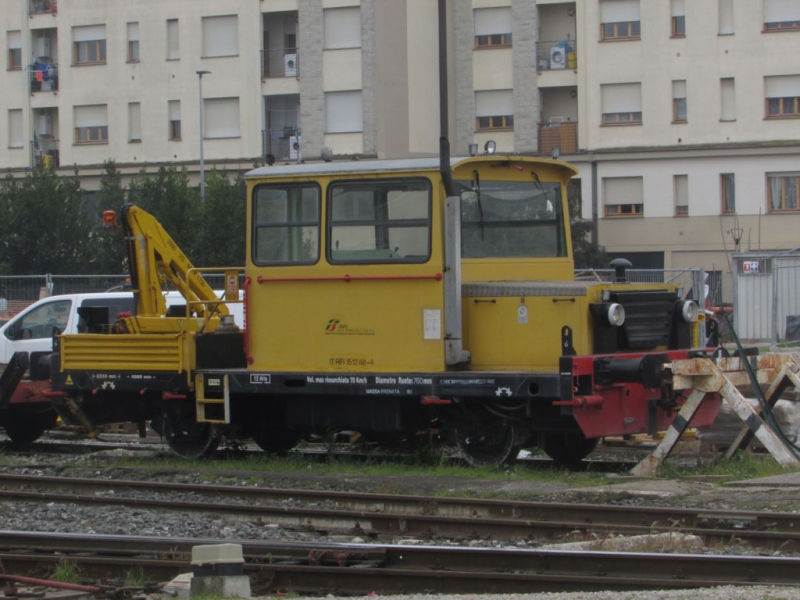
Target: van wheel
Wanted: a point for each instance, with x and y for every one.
(26, 424)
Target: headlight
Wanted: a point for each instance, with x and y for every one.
(690, 311)
(615, 314)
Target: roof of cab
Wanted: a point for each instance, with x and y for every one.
(404, 164)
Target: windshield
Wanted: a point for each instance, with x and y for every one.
(511, 219)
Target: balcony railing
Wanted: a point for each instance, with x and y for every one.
(283, 144)
(44, 153)
(40, 7)
(280, 62)
(561, 135)
(43, 77)
(558, 55)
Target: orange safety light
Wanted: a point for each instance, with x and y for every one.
(109, 218)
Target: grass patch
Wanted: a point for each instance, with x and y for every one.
(67, 571)
(134, 577)
(743, 465)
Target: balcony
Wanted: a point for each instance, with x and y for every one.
(280, 62)
(557, 55)
(44, 153)
(42, 7)
(561, 135)
(280, 145)
(43, 77)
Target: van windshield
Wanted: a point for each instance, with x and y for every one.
(511, 219)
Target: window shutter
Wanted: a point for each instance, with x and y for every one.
(134, 121)
(89, 33)
(490, 21)
(623, 190)
(678, 8)
(619, 11)
(726, 17)
(681, 190)
(782, 86)
(173, 42)
(679, 89)
(343, 112)
(95, 115)
(728, 97)
(221, 36)
(221, 116)
(621, 97)
(342, 28)
(174, 110)
(15, 128)
(494, 103)
(14, 40)
(133, 32)
(778, 11)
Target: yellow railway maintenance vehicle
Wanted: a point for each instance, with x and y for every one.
(391, 298)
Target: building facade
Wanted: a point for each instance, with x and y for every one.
(683, 117)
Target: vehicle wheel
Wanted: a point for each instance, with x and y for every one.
(188, 439)
(568, 449)
(484, 439)
(276, 441)
(26, 424)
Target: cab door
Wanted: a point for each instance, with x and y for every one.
(33, 330)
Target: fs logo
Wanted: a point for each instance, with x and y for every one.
(332, 325)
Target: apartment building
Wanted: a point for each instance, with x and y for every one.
(683, 117)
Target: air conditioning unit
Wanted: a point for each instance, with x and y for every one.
(43, 46)
(294, 147)
(558, 57)
(44, 125)
(290, 60)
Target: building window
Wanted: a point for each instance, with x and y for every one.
(782, 191)
(380, 222)
(726, 25)
(173, 40)
(782, 96)
(342, 28)
(286, 224)
(623, 196)
(89, 45)
(621, 103)
(781, 15)
(15, 128)
(728, 190)
(220, 36)
(174, 120)
(221, 116)
(134, 122)
(133, 42)
(619, 20)
(679, 101)
(678, 18)
(91, 124)
(680, 184)
(728, 99)
(493, 28)
(14, 50)
(344, 112)
(494, 110)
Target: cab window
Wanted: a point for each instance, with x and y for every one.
(286, 224)
(387, 221)
(41, 322)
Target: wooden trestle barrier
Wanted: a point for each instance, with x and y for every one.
(726, 376)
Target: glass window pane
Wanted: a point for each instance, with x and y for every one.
(776, 192)
(791, 192)
(774, 105)
(635, 31)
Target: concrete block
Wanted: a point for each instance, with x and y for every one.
(231, 586)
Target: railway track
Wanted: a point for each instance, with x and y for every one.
(389, 517)
(392, 569)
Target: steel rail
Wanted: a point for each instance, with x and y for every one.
(360, 568)
(381, 515)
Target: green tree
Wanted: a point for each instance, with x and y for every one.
(108, 252)
(46, 229)
(224, 220)
(586, 254)
(176, 205)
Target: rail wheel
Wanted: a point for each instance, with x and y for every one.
(188, 439)
(485, 439)
(26, 424)
(276, 441)
(568, 449)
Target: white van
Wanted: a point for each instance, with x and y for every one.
(32, 329)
